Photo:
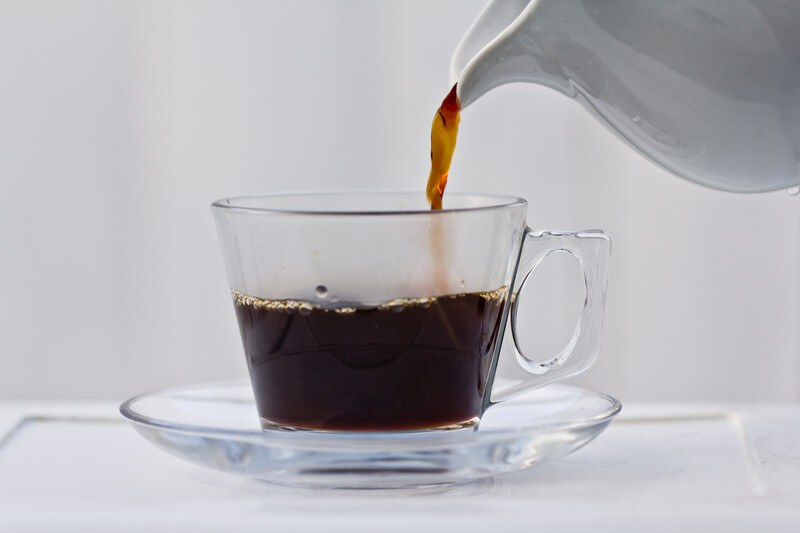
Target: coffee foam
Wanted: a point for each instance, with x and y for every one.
(241, 299)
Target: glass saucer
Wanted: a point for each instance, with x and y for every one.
(215, 425)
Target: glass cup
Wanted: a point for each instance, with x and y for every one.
(367, 311)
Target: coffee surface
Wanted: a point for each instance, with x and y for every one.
(416, 363)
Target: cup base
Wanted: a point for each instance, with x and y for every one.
(472, 423)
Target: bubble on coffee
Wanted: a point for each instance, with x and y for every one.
(321, 291)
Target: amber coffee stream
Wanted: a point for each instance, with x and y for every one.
(444, 132)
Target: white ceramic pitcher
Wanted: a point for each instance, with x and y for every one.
(708, 89)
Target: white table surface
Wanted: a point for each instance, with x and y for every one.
(658, 467)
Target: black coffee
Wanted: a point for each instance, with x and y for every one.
(408, 364)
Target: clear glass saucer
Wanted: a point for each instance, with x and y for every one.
(215, 425)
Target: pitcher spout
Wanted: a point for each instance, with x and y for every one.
(501, 47)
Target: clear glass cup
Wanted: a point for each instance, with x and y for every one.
(367, 311)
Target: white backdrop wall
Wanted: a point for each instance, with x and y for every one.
(120, 122)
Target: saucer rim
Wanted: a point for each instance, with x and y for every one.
(128, 411)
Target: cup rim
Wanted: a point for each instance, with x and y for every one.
(235, 203)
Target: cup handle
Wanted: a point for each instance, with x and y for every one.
(592, 249)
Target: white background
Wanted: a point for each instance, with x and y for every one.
(121, 121)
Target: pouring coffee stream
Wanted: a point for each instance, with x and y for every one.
(444, 133)
(708, 90)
